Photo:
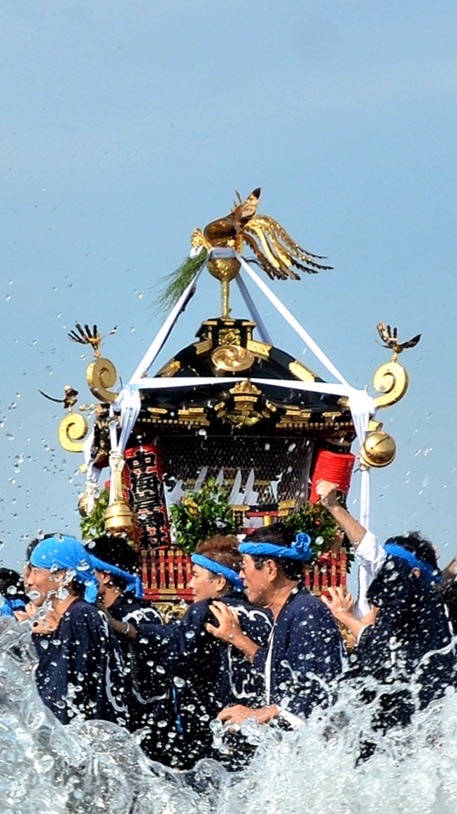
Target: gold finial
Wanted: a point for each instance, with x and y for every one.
(101, 374)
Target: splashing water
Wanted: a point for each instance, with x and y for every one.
(92, 766)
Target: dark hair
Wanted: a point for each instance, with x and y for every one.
(222, 548)
(33, 544)
(11, 584)
(418, 545)
(281, 535)
(115, 551)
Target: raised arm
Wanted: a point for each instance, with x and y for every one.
(328, 494)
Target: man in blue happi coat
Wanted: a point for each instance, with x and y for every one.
(304, 654)
(205, 674)
(403, 656)
(406, 641)
(120, 595)
(80, 671)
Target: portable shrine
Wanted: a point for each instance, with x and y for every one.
(232, 409)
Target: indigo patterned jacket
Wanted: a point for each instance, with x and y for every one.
(80, 668)
(304, 655)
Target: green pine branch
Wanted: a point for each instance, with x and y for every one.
(177, 282)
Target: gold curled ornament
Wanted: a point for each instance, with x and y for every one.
(101, 375)
(72, 432)
(391, 380)
(232, 358)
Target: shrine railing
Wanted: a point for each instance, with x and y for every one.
(166, 573)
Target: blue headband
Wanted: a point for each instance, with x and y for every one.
(62, 552)
(218, 568)
(299, 550)
(425, 568)
(134, 584)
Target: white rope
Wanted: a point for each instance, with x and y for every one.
(164, 332)
(290, 319)
(128, 403)
(165, 382)
(253, 311)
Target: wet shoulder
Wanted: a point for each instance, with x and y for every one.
(197, 614)
(305, 605)
(255, 622)
(84, 614)
(130, 608)
(246, 609)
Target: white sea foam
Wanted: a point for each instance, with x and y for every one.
(94, 766)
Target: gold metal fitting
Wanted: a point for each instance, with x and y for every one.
(378, 449)
(119, 518)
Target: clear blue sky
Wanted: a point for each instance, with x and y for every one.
(125, 125)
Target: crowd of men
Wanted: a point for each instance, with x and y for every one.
(255, 643)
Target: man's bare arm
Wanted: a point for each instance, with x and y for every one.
(329, 498)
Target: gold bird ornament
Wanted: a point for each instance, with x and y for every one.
(69, 400)
(274, 249)
(389, 337)
(89, 336)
